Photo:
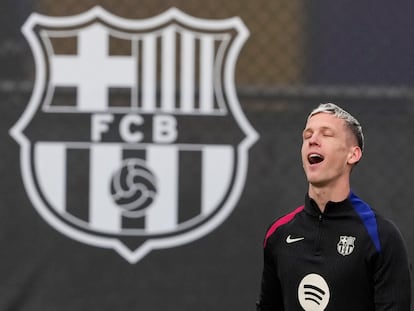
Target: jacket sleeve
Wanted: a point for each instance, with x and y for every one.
(392, 273)
(270, 292)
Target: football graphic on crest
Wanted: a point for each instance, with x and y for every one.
(133, 187)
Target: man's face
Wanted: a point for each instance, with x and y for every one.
(328, 150)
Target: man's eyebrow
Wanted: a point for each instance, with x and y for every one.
(322, 128)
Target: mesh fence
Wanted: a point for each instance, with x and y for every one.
(296, 48)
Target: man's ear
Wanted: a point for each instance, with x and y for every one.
(355, 155)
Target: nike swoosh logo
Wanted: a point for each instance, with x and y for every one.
(289, 239)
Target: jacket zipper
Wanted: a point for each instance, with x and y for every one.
(318, 237)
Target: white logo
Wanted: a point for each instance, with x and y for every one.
(313, 293)
(289, 239)
(345, 245)
(118, 148)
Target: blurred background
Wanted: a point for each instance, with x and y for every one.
(359, 55)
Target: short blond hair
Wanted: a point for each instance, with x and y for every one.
(352, 123)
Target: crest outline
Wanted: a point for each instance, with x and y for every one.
(17, 131)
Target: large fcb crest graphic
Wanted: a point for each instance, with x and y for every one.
(134, 138)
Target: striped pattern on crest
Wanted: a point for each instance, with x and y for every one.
(170, 70)
(75, 180)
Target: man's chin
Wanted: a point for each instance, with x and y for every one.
(317, 182)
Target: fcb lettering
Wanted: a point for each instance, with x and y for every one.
(164, 127)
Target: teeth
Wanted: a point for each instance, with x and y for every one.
(315, 155)
(315, 158)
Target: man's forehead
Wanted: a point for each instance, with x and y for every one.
(323, 119)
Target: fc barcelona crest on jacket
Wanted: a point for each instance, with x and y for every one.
(346, 245)
(134, 138)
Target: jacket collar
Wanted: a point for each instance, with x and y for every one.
(332, 209)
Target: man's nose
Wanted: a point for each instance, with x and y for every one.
(314, 140)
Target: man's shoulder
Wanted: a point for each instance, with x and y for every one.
(382, 230)
(281, 221)
(388, 230)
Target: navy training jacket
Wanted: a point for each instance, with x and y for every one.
(347, 258)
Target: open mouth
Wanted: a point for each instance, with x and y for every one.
(315, 158)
